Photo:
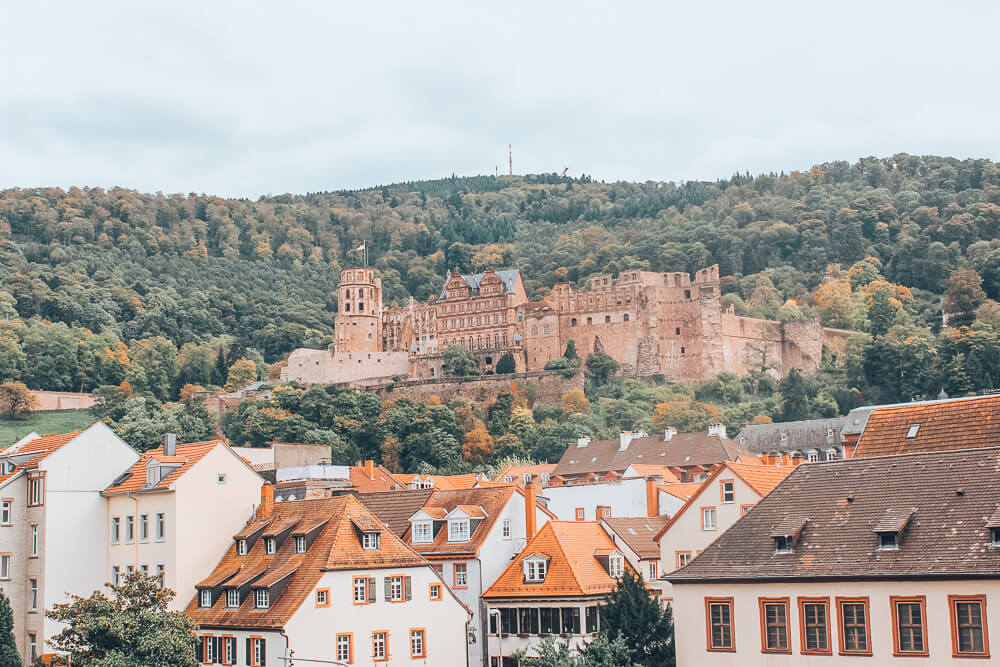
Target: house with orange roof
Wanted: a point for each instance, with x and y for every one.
(553, 588)
(323, 480)
(719, 502)
(443, 482)
(53, 536)
(326, 581)
(636, 537)
(175, 510)
(541, 473)
(469, 535)
(628, 495)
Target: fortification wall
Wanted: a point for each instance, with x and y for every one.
(548, 387)
(63, 400)
(327, 367)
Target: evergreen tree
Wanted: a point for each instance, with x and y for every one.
(506, 364)
(570, 352)
(221, 369)
(9, 656)
(646, 627)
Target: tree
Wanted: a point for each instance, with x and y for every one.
(506, 364)
(646, 626)
(242, 373)
(601, 367)
(460, 362)
(477, 446)
(574, 402)
(12, 357)
(963, 296)
(836, 303)
(17, 400)
(9, 656)
(571, 352)
(130, 628)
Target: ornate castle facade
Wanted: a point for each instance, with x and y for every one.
(651, 323)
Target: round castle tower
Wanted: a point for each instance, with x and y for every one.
(358, 326)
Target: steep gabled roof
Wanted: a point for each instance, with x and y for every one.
(395, 508)
(944, 499)
(639, 533)
(29, 451)
(134, 479)
(508, 277)
(518, 472)
(383, 480)
(682, 450)
(573, 548)
(646, 469)
(958, 423)
(682, 491)
(336, 547)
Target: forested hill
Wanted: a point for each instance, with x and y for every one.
(190, 268)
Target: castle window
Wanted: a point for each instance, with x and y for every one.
(677, 331)
(361, 306)
(590, 320)
(572, 322)
(545, 330)
(687, 294)
(347, 307)
(682, 350)
(607, 319)
(625, 317)
(534, 331)
(347, 294)
(605, 281)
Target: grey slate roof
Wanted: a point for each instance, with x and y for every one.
(394, 508)
(508, 276)
(817, 434)
(952, 494)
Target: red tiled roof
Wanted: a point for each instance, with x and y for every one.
(336, 547)
(646, 469)
(683, 491)
(518, 472)
(384, 480)
(573, 568)
(759, 477)
(683, 450)
(40, 447)
(189, 454)
(961, 423)
(639, 533)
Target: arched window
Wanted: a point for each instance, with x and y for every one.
(625, 317)
(572, 322)
(545, 329)
(590, 320)
(347, 307)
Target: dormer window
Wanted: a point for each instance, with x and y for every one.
(887, 542)
(458, 530)
(232, 598)
(423, 532)
(527, 477)
(370, 540)
(787, 533)
(300, 544)
(241, 547)
(912, 433)
(205, 598)
(616, 565)
(995, 536)
(546, 477)
(890, 528)
(534, 569)
(260, 598)
(783, 544)
(508, 478)
(269, 546)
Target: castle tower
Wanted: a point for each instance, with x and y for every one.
(358, 326)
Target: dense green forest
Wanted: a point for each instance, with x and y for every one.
(150, 296)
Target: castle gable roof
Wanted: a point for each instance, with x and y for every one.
(508, 277)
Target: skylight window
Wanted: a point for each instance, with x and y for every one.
(912, 433)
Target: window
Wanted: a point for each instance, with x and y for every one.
(423, 532)
(579, 514)
(4, 566)
(774, 625)
(995, 537)
(652, 569)
(208, 649)
(322, 597)
(912, 432)
(590, 617)
(161, 526)
(260, 598)
(255, 647)
(719, 618)
(534, 569)
(361, 590)
(783, 544)
(116, 530)
(5, 513)
(228, 650)
(814, 617)
(607, 319)
(32, 647)
(435, 592)
(708, 518)
(417, 645)
(506, 529)
(232, 598)
(745, 508)
(370, 541)
(130, 529)
(145, 570)
(728, 491)
(144, 527)
(572, 322)
(345, 648)
(220, 478)
(458, 530)
(395, 592)
(36, 489)
(677, 331)
(909, 625)
(683, 558)
(461, 574)
(813, 457)
(379, 646)
(241, 547)
(300, 544)
(204, 597)
(571, 620)
(34, 540)
(616, 565)
(269, 545)
(161, 574)
(438, 569)
(682, 350)
(625, 317)
(968, 626)
(887, 542)
(33, 594)
(116, 574)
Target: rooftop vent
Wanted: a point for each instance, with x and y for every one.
(583, 442)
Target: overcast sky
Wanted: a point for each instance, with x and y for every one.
(250, 98)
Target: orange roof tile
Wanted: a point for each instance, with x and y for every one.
(573, 568)
(453, 482)
(960, 423)
(518, 472)
(383, 480)
(682, 491)
(134, 479)
(646, 469)
(336, 547)
(760, 478)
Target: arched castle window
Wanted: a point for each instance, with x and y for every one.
(590, 320)
(572, 322)
(347, 307)
(687, 294)
(607, 319)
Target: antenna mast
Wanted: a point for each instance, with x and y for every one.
(510, 159)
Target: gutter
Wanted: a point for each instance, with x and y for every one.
(889, 576)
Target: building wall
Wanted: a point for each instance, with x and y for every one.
(508, 644)
(151, 551)
(14, 541)
(690, 622)
(549, 387)
(328, 367)
(627, 498)
(312, 631)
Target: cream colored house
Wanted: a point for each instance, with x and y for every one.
(719, 503)
(174, 511)
(52, 524)
(868, 561)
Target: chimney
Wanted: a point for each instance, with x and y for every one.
(625, 437)
(530, 512)
(669, 433)
(717, 429)
(653, 495)
(370, 469)
(583, 442)
(170, 444)
(266, 502)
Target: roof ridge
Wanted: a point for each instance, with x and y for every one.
(562, 552)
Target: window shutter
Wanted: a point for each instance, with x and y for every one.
(371, 590)
(199, 649)
(217, 650)
(388, 588)
(249, 651)
(263, 652)
(408, 588)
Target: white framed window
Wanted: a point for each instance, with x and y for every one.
(258, 651)
(300, 544)
(130, 528)
(5, 566)
(33, 594)
(144, 527)
(161, 573)
(370, 541)
(116, 575)
(232, 598)
(546, 477)
(269, 545)
(161, 525)
(129, 569)
(209, 643)
(508, 478)
(416, 643)
(396, 589)
(616, 565)
(344, 648)
(145, 570)
(322, 597)
(534, 569)
(708, 518)
(683, 558)
(458, 530)
(205, 598)
(5, 513)
(260, 598)
(783, 544)
(229, 650)
(652, 570)
(35, 490)
(887, 542)
(813, 457)
(241, 547)
(912, 432)
(461, 575)
(526, 477)
(32, 647)
(728, 491)
(423, 532)
(360, 590)
(116, 530)
(831, 455)
(378, 645)
(34, 540)
(506, 529)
